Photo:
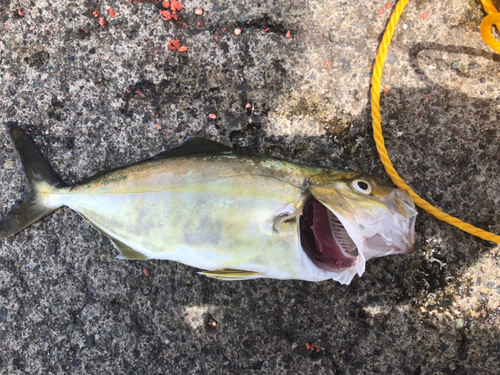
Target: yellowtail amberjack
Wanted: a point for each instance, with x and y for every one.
(236, 214)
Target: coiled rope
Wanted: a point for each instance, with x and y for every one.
(377, 129)
(488, 22)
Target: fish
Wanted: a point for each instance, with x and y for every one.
(233, 214)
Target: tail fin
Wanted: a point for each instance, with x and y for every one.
(39, 175)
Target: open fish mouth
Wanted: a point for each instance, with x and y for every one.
(324, 239)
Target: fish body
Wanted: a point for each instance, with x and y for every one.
(233, 213)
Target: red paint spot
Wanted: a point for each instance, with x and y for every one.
(175, 5)
(112, 13)
(138, 92)
(288, 35)
(165, 15)
(174, 44)
(96, 13)
(212, 116)
(102, 21)
(387, 6)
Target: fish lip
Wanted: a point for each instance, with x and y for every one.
(324, 238)
(396, 234)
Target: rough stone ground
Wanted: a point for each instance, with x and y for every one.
(91, 96)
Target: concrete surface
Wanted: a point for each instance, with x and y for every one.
(91, 97)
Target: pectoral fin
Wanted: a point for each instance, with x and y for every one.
(229, 274)
(286, 214)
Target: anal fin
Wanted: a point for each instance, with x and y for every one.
(126, 252)
(231, 274)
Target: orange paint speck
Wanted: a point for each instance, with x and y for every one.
(183, 49)
(165, 15)
(175, 5)
(174, 44)
(424, 15)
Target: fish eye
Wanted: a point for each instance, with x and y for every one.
(362, 186)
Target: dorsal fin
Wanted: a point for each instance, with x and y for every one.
(193, 145)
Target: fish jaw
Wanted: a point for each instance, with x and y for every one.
(369, 226)
(330, 242)
(389, 230)
(396, 232)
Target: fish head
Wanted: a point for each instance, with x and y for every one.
(350, 218)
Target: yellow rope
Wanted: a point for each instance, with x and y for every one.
(488, 22)
(379, 139)
(489, 7)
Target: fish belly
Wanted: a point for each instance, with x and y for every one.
(225, 223)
